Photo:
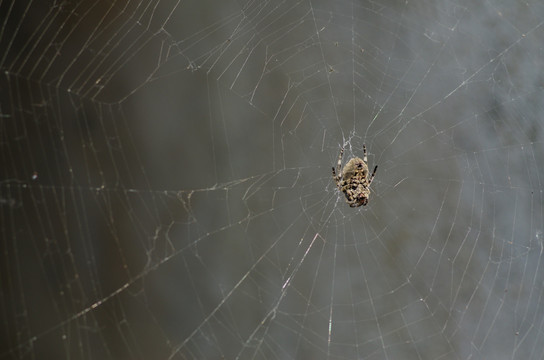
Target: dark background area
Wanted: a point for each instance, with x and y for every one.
(166, 188)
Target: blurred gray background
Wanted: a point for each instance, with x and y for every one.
(166, 188)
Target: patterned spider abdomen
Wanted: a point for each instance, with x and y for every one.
(353, 180)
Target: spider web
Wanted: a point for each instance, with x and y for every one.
(166, 187)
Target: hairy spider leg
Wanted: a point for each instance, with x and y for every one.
(338, 167)
(372, 176)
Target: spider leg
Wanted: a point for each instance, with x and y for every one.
(372, 176)
(337, 174)
(364, 154)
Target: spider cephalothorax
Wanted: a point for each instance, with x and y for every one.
(353, 180)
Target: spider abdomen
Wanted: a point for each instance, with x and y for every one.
(353, 180)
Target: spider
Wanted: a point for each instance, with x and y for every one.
(353, 181)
